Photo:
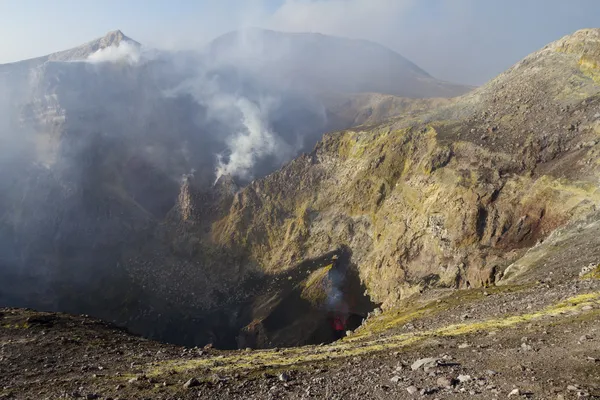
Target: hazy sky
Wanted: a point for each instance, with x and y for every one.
(467, 41)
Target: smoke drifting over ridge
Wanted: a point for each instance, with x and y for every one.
(258, 93)
(246, 144)
(93, 148)
(244, 111)
(124, 52)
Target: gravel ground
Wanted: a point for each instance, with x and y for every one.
(46, 355)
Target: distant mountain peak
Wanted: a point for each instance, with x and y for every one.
(114, 38)
(326, 63)
(111, 39)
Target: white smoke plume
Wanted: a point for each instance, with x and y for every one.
(335, 295)
(254, 142)
(125, 52)
(245, 120)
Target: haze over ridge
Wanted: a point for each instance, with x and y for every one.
(424, 32)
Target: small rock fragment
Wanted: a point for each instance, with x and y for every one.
(191, 383)
(526, 347)
(425, 363)
(464, 378)
(445, 382)
(395, 379)
(284, 377)
(428, 391)
(514, 392)
(412, 389)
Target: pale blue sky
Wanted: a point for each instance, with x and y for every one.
(467, 41)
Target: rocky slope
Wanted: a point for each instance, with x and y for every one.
(448, 197)
(536, 340)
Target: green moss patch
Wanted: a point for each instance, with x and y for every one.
(20, 325)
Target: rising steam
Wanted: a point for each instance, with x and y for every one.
(255, 141)
(124, 52)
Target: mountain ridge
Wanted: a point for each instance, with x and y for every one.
(308, 35)
(79, 53)
(331, 64)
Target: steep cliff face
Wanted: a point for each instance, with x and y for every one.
(448, 197)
